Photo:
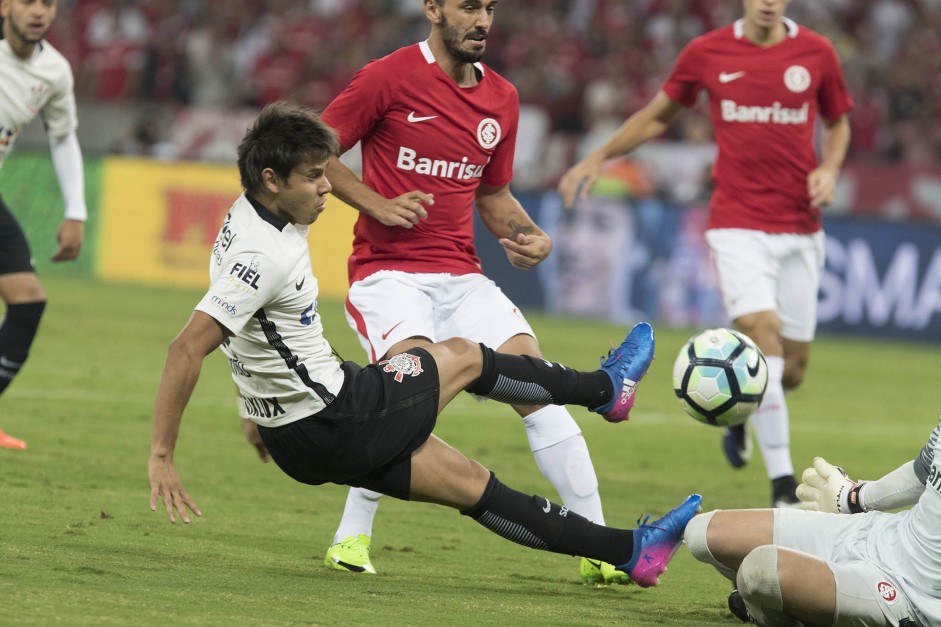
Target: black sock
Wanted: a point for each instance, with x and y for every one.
(16, 336)
(524, 380)
(538, 523)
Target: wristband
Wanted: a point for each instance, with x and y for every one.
(852, 499)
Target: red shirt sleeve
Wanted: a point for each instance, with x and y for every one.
(499, 171)
(357, 109)
(835, 100)
(685, 82)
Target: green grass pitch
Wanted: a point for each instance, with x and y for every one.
(79, 545)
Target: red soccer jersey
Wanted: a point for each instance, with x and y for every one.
(421, 131)
(764, 103)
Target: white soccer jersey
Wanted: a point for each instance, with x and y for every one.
(262, 290)
(907, 546)
(41, 85)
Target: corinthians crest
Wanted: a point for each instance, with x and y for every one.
(402, 364)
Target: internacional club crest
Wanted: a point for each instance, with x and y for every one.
(797, 79)
(402, 364)
(488, 133)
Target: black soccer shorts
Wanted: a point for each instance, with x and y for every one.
(14, 249)
(365, 438)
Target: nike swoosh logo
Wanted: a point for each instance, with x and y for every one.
(417, 118)
(753, 371)
(297, 285)
(6, 363)
(548, 507)
(386, 334)
(594, 563)
(728, 77)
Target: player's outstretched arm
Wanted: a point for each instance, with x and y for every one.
(523, 241)
(827, 488)
(643, 125)
(405, 211)
(201, 335)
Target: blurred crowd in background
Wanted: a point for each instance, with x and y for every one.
(581, 66)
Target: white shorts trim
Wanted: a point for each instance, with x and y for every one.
(390, 306)
(779, 272)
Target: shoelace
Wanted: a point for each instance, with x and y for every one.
(642, 522)
(613, 355)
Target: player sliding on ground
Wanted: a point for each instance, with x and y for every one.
(323, 421)
(875, 568)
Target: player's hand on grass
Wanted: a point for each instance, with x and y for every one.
(405, 211)
(250, 429)
(527, 250)
(70, 237)
(826, 488)
(579, 179)
(165, 483)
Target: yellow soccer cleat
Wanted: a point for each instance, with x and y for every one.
(351, 554)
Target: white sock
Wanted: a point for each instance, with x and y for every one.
(358, 514)
(562, 457)
(772, 425)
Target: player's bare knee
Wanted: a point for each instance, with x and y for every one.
(467, 354)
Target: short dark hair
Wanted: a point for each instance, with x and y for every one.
(284, 135)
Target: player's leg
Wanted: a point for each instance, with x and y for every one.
(771, 421)
(801, 263)
(748, 264)
(558, 446)
(738, 544)
(25, 302)
(382, 331)
(441, 474)
(474, 307)
(562, 456)
(784, 587)
(803, 576)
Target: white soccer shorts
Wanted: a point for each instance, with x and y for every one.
(778, 272)
(390, 306)
(865, 594)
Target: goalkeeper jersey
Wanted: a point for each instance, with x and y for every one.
(907, 546)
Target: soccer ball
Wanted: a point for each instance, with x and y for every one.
(720, 377)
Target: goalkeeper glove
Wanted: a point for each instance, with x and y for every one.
(826, 488)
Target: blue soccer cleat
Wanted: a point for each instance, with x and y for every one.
(626, 365)
(656, 543)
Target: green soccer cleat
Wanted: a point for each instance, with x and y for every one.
(598, 573)
(351, 554)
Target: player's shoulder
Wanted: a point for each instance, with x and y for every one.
(497, 83)
(50, 57)
(810, 38)
(722, 35)
(397, 65)
(717, 39)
